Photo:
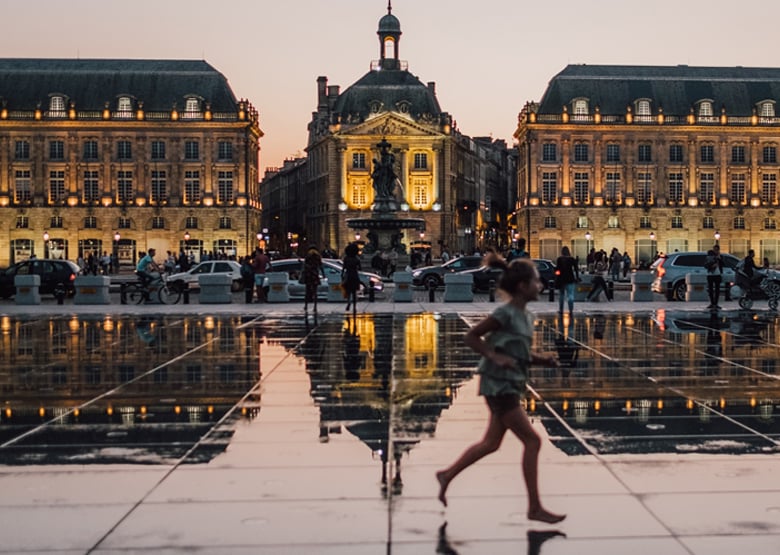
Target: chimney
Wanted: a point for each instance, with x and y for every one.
(432, 87)
(333, 95)
(322, 99)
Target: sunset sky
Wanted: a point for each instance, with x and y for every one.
(488, 57)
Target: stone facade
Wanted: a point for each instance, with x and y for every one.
(123, 155)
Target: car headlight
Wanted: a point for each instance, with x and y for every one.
(417, 273)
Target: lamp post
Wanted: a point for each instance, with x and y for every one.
(588, 243)
(46, 244)
(652, 245)
(115, 259)
(717, 238)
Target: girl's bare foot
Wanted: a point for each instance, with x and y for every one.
(545, 516)
(443, 483)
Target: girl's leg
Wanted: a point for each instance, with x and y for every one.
(517, 421)
(570, 297)
(489, 443)
(561, 294)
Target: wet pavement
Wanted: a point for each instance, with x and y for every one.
(252, 429)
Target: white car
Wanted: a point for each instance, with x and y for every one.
(190, 277)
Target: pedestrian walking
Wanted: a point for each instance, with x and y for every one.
(312, 270)
(260, 264)
(504, 340)
(350, 278)
(714, 266)
(566, 275)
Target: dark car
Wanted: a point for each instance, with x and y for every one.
(433, 276)
(331, 267)
(485, 274)
(51, 272)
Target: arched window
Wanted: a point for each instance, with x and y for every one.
(767, 109)
(124, 105)
(57, 106)
(192, 105)
(580, 108)
(705, 109)
(389, 48)
(643, 108)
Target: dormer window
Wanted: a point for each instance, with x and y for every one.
(57, 106)
(705, 109)
(375, 106)
(580, 108)
(192, 105)
(766, 109)
(403, 106)
(643, 109)
(124, 105)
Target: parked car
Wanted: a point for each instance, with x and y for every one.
(190, 277)
(433, 276)
(485, 274)
(670, 271)
(331, 267)
(52, 272)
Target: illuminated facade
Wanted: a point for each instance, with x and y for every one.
(124, 155)
(459, 185)
(651, 159)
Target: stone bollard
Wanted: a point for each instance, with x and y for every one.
(27, 289)
(335, 293)
(403, 287)
(696, 287)
(215, 289)
(640, 286)
(278, 287)
(92, 290)
(582, 288)
(458, 288)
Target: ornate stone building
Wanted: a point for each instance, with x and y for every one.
(459, 185)
(124, 155)
(649, 159)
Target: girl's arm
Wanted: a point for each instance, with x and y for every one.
(545, 359)
(474, 340)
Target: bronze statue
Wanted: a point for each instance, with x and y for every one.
(384, 176)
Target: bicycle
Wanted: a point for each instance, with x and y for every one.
(138, 291)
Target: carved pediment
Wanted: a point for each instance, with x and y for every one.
(387, 126)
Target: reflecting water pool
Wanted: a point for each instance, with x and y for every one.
(163, 389)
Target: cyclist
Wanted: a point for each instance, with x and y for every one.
(147, 269)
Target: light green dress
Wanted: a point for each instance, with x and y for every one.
(513, 338)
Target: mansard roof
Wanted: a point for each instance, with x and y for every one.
(393, 89)
(90, 83)
(674, 88)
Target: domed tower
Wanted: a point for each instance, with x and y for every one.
(389, 36)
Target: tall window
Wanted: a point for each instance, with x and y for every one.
(675, 153)
(644, 188)
(643, 109)
(707, 188)
(191, 106)
(582, 222)
(581, 188)
(124, 150)
(739, 222)
(580, 108)
(191, 150)
(738, 194)
(550, 222)
(613, 153)
(738, 154)
(57, 106)
(358, 160)
(158, 222)
(158, 150)
(360, 193)
(707, 154)
(612, 188)
(22, 222)
(90, 150)
(613, 222)
(124, 222)
(124, 107)
(191, 187)
(770, 223)
(90, 222)
(420, 161)
(55, 222)
(549, 152)
(124, 185)
(677, 222)
(676, 187)
(644, 153)
(767, 110)
(225, 151)
(769, 188)
(549, 187)
(91, 188)
(225, 222)
(581, 152)
(708, 222)
(22, 186)
(159, 187)
(225, 187)
(56, 150)
(191, 222)
(705, 109)
(56, 186)
(645, 223)
(770, 154)
(22, 150)
(420, 193)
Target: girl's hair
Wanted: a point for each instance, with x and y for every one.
(519, 270)
(351, 249)
(565, 251)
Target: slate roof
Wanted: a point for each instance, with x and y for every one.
(90, 83)
(675, 88)
(390, 87)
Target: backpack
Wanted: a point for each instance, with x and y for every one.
(246, 271)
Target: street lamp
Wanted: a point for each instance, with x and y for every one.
(652, 245)
(717, 237)
(46, 244)
(115, 261)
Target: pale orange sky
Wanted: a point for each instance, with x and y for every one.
(488, 57)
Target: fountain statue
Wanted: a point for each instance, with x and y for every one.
(384, 226)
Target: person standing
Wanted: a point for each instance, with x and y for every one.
(504, 340)
(626, 264)
(312, 270)
(350, 277)
(566, 275)
(714, 266)
(260, 264)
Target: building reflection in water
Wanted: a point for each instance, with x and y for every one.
(394, 382)
(105, 389)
